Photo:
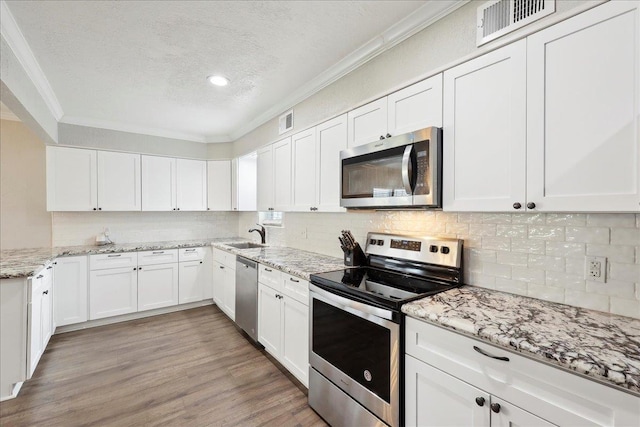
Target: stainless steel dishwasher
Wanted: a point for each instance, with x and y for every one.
(247, 296)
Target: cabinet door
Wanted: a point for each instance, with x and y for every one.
(509, 415)
(331, 139)
(71, 179)
(35, 324)
(367, 123)
(157, 286)
(234, 184)
(485, 132)
(247, 181)
(218, 283)
(265, 179)
(295, 338)
(191, 283)
(70, 296)
(47, 309)
(119, 181)
(305, 170)
(416, 107)
(219, 185)
(583, 112)
(434, 398)
(282, 175)
(158, 183)
(113, 292)
(229, 293)
(269, 326)
(191, 185)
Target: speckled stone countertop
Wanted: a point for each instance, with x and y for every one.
(600, 345)
(293, 261)
(25, 262)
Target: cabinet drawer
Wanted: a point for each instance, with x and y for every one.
(191, 254)
(164, 256)
(104, 261)
(225, 258)
(295, 288)
(270, 276)
(558, 396)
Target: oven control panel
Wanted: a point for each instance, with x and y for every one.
(431, 250)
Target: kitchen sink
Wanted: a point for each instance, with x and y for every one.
(245, 245)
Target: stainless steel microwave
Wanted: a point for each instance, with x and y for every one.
(403, 171)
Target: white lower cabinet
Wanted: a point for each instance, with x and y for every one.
(283, 323)
(113, 292)
(454, 380)
(224, 282)
(191, 281)
(40, 317)
(71, 285)
(157, 286)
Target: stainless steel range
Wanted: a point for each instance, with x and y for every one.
(357, 329)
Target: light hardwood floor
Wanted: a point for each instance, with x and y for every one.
(189, 368)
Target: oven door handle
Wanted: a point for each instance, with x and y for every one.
(354, 307)
(407, 169)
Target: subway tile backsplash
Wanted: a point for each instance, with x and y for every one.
(538, 255)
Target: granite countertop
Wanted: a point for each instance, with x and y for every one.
(602, 346)
(17, 263)
(292, 261)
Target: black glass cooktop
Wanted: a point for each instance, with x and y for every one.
(378, 286)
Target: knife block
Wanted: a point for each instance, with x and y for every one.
(355, 257)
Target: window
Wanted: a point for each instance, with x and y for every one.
(271, 219)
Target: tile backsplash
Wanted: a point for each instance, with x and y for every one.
(538, 255)
(81, 228)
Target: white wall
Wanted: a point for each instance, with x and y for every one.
(81, 228)
(539, 255)
(24, 220)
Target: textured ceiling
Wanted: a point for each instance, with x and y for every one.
(143, 64)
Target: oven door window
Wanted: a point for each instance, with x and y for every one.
(357, 347)
(375, 175)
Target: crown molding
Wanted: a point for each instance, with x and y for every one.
(18, 44)
(145, 130)
(414, 23)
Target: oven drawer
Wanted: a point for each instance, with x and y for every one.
(558, 396)
(166, 256)
(296, 288)
(270, 276)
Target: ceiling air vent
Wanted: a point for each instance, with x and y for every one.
(285, 122)
(499, 17)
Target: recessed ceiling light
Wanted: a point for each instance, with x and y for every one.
(218, 80)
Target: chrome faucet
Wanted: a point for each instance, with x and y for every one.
(262, 231)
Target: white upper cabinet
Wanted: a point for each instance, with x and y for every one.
(246, 182)
(119, 187)
(282, 175)
(265, 179)
(415, 107)
(173, 184)
(71, 179)
(158, 183)
(305, 170)
(191, 185)
(583, 95)
(367, 123)
(234, 184)
(331, 139)
(484, 141)
(219, 185)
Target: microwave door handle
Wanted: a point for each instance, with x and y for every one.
(407, 169)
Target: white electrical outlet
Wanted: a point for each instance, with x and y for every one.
(595, 269)
(303, 233)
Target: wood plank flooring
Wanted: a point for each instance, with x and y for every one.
(189, 368)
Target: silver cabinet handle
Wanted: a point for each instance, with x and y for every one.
(189, 250)
(40, 276)
(46, 292)
(113, 256)
(222, 267)
(484, 353)
(268, 269)
(294, 280)
(158, 252)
